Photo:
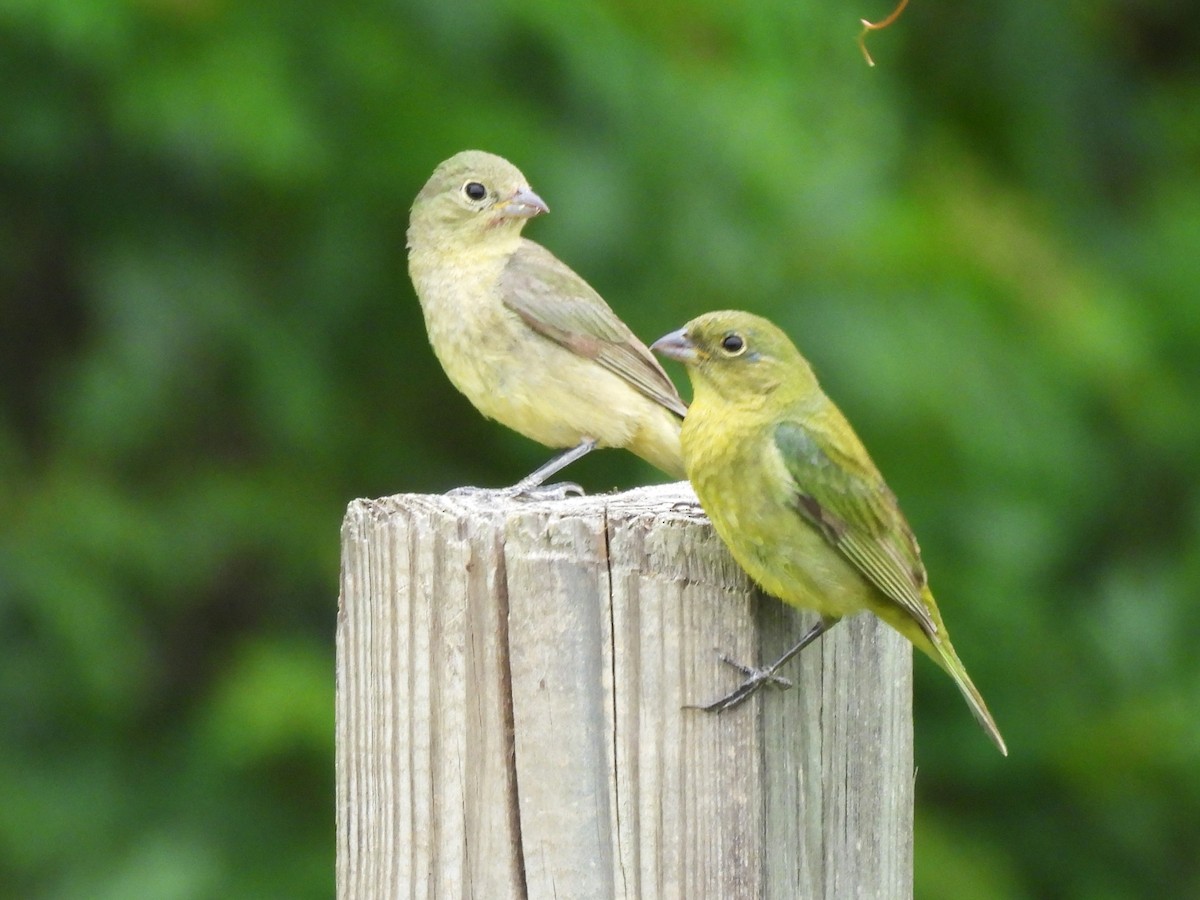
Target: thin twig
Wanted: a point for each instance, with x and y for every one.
(876, 26)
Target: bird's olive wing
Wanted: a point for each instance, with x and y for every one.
(556, 303)
(843, 495)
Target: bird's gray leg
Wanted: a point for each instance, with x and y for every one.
(531, 487)
(756, 678)
(531, 484)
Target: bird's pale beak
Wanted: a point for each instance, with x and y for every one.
(676, 345)
(525, 204)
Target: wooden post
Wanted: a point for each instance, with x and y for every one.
(512, 684)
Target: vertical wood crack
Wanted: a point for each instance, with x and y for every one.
(612, 636)
(510, 729)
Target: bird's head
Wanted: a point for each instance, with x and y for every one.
(740, 356)
(471, 195)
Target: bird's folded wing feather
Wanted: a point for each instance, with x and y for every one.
(842, 494)
(558, 304)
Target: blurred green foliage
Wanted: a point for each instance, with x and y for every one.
(989, 245)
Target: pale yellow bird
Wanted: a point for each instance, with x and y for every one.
(523, 337)
(793, 493)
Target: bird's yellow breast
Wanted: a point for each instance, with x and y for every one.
(743, 484)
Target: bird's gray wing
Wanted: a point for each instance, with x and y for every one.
(556, 303)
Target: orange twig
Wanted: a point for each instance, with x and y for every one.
(875, 26)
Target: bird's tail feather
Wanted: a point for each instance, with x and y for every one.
(945, 656)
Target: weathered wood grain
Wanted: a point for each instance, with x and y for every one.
(512, 690)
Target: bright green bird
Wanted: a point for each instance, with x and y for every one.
(528, 341)
(791, 490)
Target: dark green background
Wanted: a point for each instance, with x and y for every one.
(989, 246)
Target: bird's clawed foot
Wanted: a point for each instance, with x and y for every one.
(523, 491)
(560, 491)
(755, 678)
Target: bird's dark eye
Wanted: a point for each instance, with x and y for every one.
(474, 190)
(733, 344)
